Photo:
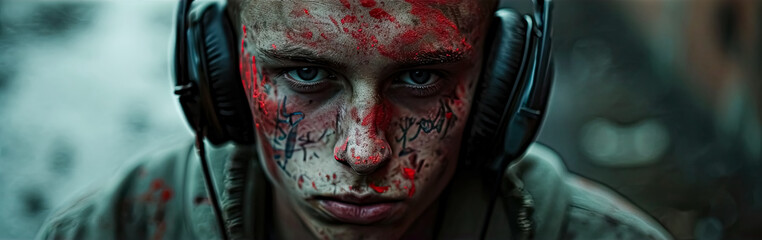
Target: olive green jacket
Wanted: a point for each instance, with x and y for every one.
(163, 196)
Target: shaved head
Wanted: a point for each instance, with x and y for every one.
(238, 9)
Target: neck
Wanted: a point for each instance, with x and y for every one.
(425, 226)
(287, 223)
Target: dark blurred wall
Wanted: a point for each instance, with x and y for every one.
(83, 88)
(660, 101)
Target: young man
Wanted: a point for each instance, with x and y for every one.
(359, 108)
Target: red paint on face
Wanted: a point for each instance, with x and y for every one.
(342, 148)
(306, 11)
(313, 185)
(379, 117)
(413, 159)
(379, 13)
(333, 20)
(307, 35)
(349, 19)
(448, 115)
(300, 182)
(432, 22)
(368, 3)
(250, 77)
(353, 113)
(374, 159)
(409, 173)
(345, 3)
(379, 189)
(353, 155)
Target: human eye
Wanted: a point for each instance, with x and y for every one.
(421, 83)
(307, 79)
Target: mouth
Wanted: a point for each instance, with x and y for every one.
(361, 210)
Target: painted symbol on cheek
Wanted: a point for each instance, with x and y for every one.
(378, 189)
(291, 123)
(440, 124)
(409, 174)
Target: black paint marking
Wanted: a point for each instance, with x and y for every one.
(440, 123)
(286, 124)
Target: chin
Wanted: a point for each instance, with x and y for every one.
(348, 231)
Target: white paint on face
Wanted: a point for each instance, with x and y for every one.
(361, 102)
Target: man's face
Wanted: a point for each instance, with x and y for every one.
(360, 105)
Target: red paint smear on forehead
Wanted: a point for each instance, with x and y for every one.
(379, 189)
(367, 3)
(433, 22)
(345, 3)
(349, 19)
(379, 13)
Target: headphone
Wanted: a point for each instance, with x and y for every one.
(509, 104)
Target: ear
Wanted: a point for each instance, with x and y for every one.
(497, 86)
(211, 62)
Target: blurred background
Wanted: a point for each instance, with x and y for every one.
(659, 100)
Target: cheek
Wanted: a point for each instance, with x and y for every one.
(295, 136)
(427, 143)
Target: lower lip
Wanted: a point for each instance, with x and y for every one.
(358, 214)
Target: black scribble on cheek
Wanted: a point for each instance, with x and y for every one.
(286, 125)
(439, 123)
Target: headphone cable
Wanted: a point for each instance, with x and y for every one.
(210, 188)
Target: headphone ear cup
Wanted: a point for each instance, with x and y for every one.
(498, 87)
(225, 91)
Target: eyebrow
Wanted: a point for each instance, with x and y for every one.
(439, 56)
(300, 54)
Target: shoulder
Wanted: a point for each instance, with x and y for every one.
(604, 214)
(133, 204)
(588, 209)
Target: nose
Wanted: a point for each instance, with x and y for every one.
(364, 146)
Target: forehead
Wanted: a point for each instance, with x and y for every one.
(397, 29)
